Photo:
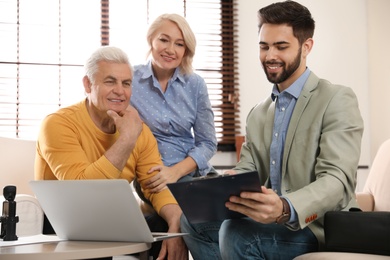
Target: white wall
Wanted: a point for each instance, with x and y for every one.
(379, 71)
(350, 48)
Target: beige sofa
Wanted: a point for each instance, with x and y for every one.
(17, 166)
(17, 163)
(374, 197)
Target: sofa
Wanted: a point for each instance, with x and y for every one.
(17, 165)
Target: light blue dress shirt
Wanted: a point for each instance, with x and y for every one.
(181, 119)
(284, 108)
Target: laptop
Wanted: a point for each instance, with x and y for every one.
(94, 210)
(203, 199)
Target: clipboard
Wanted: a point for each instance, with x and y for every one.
(203, 199)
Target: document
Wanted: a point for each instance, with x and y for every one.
(203, 199)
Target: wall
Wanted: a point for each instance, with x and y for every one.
(347, 50)
(379, 71)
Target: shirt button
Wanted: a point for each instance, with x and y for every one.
(276, 134)
(273, 162)
(283, 108)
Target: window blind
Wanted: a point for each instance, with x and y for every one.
(44, 49)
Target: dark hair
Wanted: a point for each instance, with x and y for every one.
(291, 13)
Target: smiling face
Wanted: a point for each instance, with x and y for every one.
(111, 89)
(282, 57)
(168, 47)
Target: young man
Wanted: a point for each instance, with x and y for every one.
(103, 137)
(304, 141)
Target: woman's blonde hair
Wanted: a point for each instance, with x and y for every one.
(188, 34)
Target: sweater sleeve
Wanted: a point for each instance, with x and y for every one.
(147, 156)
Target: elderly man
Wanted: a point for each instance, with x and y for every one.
(103, 137)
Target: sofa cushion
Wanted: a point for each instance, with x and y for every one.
(378, 180)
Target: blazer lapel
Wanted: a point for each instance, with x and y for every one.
(300, 106)
(269, 124)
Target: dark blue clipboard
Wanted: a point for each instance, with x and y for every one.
(203, 199)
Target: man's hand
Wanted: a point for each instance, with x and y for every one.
(127, 122)
(230, 172)
(159, 181)
(263, 207)
(173, 248)
(129, 125)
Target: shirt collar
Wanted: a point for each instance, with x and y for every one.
(149, 73)
(294, 89)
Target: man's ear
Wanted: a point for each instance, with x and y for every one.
(87, 84)
(307, 46)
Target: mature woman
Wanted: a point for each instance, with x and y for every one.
(173, 101)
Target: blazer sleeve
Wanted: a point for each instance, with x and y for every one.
(323, 152)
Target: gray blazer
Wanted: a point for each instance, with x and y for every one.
(321, 153)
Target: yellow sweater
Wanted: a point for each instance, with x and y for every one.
(71, 147)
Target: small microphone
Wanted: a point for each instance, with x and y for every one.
(9, 219)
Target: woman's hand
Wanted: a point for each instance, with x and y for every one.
(159, 182)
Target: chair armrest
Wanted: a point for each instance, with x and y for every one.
(365, 200)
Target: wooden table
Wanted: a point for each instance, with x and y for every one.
(72, 250)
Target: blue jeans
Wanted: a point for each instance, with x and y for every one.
(246, 239)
